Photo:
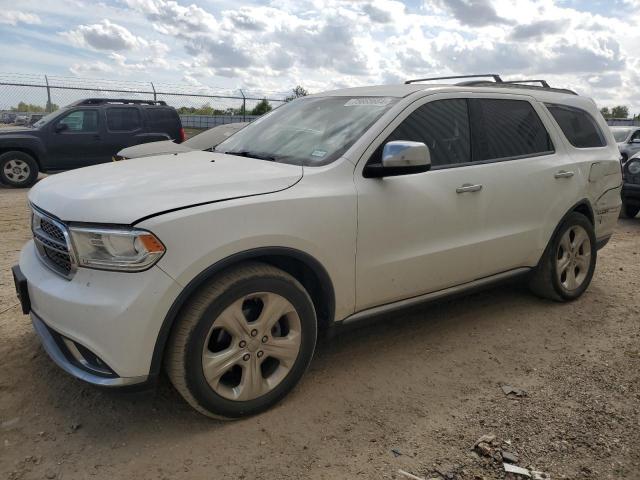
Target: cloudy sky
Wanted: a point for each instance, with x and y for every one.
(591, 46)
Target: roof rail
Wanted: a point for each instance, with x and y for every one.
(100, 101)
(496, 78)
(515, 84)
(541, 82)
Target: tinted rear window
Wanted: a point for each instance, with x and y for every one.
(507, 128)
(163, 118)
(123, 119)
(578, 126)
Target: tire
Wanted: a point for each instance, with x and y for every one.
(569, 261)
(209, 341)
(630, 211)
(18, 169)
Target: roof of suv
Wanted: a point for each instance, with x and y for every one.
(405, 90)
(545, 95)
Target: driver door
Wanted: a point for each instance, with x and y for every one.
(417, 233)
(75, 140)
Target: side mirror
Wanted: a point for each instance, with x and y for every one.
(400, 157)
(61, 127)
(635, 140)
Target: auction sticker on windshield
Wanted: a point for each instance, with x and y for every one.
(368, 102)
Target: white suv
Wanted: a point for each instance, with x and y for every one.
(223, 266)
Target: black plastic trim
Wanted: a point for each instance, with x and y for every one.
(209, 272)
(377, 170)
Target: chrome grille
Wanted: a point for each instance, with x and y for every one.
(52, 243)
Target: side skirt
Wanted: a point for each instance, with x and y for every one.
(430, 297)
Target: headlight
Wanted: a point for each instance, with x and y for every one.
(634, 167)
(126, 250)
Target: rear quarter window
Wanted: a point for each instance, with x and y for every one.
(578, 126)
(163, 119)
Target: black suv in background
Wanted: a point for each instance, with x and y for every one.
(84, 133)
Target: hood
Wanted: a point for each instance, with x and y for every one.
(153, 148)
(124, 192)
(14, 130)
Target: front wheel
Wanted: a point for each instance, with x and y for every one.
(242, 342)
(18, 169)
(567, 265)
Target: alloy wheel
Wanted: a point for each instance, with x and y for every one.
(251, 346)
(17, 170)
(573, 258)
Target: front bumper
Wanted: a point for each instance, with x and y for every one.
(631, 193)
(51, 341)
(113, 315)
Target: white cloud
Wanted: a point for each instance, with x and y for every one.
(105, 36)
(13, 17)
(323, 44)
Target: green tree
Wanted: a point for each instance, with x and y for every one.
(262, 107)
(605, 112)
(620, 111)
(27, 107)
(296, 93)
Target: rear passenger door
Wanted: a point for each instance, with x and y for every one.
(124, 123)
(518, 162)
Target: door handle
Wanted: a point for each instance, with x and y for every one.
(563, 174)
(467, 187)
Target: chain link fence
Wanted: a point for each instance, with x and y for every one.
(25, 97)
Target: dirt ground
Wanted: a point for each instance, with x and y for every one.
(425, 383)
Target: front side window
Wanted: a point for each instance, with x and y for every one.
(123, 119)
(80, 121)
(635, 136)
(506, 128)
(442, 125)
(578, 126)
(309, 131)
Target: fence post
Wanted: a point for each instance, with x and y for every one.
(244, 107)
(154, 91)
(49, 108)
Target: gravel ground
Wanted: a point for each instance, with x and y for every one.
(424, 382)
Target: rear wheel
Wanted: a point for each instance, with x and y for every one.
(242, 342)
(18, 169)
(630, 211)
(567, 265)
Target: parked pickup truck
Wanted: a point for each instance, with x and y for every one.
(87, 132)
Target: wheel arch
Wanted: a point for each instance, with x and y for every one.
(584, 207)
(29, 151)
(302, 266)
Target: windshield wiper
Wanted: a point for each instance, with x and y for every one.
(249, 154)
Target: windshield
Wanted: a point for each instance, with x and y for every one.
(620, 135)
(46, 119)
(309, 131)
